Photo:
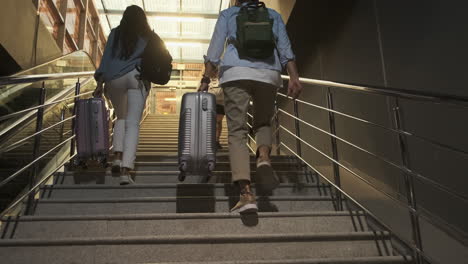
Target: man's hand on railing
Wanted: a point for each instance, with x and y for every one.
(294, 88)
(99, 90)
(294, 85)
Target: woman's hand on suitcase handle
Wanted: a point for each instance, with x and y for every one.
(99, 90)
(203, 87)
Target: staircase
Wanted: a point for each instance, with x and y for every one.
(86, 217)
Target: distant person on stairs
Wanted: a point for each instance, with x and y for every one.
(124, 87)
(250, 56)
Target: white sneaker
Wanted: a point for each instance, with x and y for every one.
(126, 179)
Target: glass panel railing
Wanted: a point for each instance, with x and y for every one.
(16, 97)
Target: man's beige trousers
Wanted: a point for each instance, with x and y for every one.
(237, 95)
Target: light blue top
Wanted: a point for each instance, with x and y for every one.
(226, 28)
(112, 66)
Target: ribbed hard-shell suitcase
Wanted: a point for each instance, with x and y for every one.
(197, 134)
(92, 131)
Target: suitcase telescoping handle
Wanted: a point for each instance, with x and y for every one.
(204, 101)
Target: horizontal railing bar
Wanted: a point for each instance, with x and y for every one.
(416, 95)
(41, 106)
(402, 168)
(345, 115)
(43, 77)
(19, 200)
(12, 146)
(251, 138)
(347, 169)
(28, 115)
(14, 175)
(52, 61)
(410, 209)
(454, 149)
(382, 223)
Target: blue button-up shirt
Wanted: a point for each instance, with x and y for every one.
(226, 28)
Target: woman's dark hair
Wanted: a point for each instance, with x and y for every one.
(133, 25)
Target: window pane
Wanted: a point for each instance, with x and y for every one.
(194, 52)
(201, 6)
(115, 20)
(105, 25)
(121, 4)
(162, 5)
(201, 29)
(166, 28)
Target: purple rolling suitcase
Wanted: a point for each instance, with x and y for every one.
(197, 135)
(92, 131)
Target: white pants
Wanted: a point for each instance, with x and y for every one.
(128, 96)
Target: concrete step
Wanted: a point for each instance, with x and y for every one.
(219, 157)
(146, 143)
(169, 190)
(200, 204)
(148, 177)
(203, 248)
(154, 153)
(359, 260)
(220, 165)
(53, 227)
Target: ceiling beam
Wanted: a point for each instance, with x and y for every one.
(162, 14)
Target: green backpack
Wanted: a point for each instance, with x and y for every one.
(255, 38)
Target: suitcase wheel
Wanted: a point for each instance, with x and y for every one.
(183, 166)
(182, 177)
(211, 166)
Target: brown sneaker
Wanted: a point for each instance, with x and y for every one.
(266, 180)
(247, 203)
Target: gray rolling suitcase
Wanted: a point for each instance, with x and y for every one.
(92, 131)
(197, 135)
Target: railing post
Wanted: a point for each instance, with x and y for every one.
(277, 126)
(298, 129)
(409, 184)
(62, 126)
(37, 144)
(72, 142)
(336, 168)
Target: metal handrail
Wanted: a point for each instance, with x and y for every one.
(43, 77)
(362, 207)
(341, 165)
(54, 60)
(39, 109)
(404, 169)
(398, 131)
(27, 194)
(14, 175)
(415, 95)
(361, 178)
(17, 143)
(409, 175)
(5, 117)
